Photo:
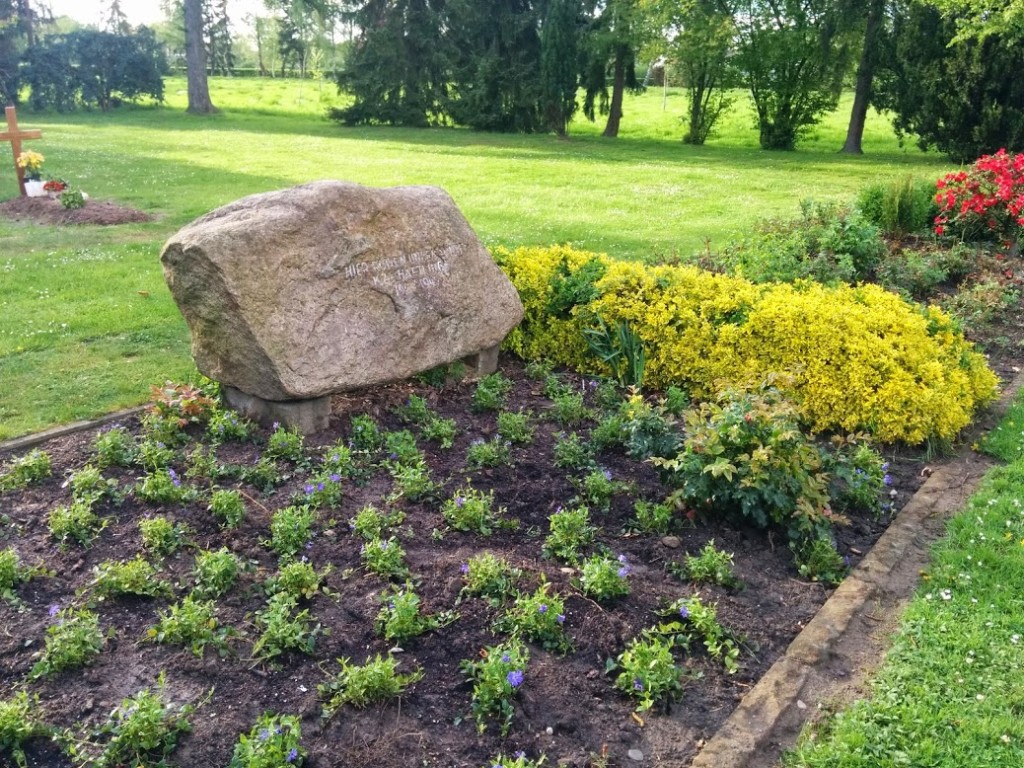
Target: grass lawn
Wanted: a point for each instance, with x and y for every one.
(86, 324)
(951, 692)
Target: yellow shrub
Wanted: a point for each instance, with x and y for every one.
(852, 358)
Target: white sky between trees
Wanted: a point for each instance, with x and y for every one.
(139, 11)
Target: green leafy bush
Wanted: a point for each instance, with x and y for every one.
(285, 628)
(537, 617)
(570, 532)
(901, 207)
(604, 578)
(73, 640)
(496, 679)
(19, 723)
(25, 470)
(648, 673)
(272, 743)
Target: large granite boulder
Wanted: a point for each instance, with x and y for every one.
(330, 286)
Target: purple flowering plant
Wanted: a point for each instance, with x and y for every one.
(274, 741)
(497, 676)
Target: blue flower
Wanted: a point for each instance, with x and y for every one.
(319, 486)
(887, 479)
(515, 678)
(684, 611)
(623, 571)
(308, 489)
(54, 609)
(560, 618)
(542, 608)
(506, 658)
(264, 734)
(292, 755)
(464, 568)
(335, 478)
(638, 684)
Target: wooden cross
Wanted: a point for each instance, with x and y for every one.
(13, 135)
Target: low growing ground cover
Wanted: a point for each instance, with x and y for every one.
(950, 692)
(453, 571)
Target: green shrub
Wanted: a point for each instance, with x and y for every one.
(900, 207)
(649, 673)
(692, 620)
(19, 723)
(114, 447)
(25, 470)
(496, 679)
(570, 531)
(73, 640)
(191, 623)
(491, 393)
(215, 572)
(227, 506)
(485, 575)
(113, 578)
(285, 628)
(472, 510)
(75, 522)
(537, 617)
(604, 578)
(852, 358)
(745, 456)
(710, 566)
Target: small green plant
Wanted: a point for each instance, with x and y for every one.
(648, 671)
(12, 573)
(164, 486)
(572, 453)
(596, 489)
(141, 731)
(73, 640)
(284, 628)
(384, 557)
(226, 425)
(537, 617)
(339, 459)
(215, 572)
(370, 523)
(432, 427)
(264, 475)
(166, 430)
(285, 444)
(442, 374)
(272, 743)
(19, 723)
(486, 575)
(899, 207)
(154, 455)
(25, 470)
(291, 529)
(400, 446)
(365, 436)
(570, 532)
(128, 577)
(323, 490)
(75, 522)
(539, 370)
(568, 409)
(412, 481)
(710, 566)
(204, 465)
(191, 623)
(675, 402)
(605, 578)
(228, 507)
(609, 433)
(491, 393)
(488, 453)
(376, 680)
(620, 349)
(520, 760)
(653, 517)
(515, 427)
(161, 536)
(114, 447)
(399, 618)
(472, 510)
(89, 485)
(649, 429)
(299, 579)
(859, 476)
(691, 620)
(818, 560)
(496, 680)
(72, 199)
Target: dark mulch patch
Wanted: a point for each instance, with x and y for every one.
(44, 210)
(568, 707)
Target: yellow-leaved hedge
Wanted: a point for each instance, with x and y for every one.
(852, 358)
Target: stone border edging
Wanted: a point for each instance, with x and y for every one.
(832, 657)
(30, 441)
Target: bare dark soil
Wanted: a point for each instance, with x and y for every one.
(45, 210)
(568, 707)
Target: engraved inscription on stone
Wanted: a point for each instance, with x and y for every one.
(347, 250)
(403, 273)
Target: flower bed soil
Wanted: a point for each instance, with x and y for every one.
(567, 707)
(45, 210)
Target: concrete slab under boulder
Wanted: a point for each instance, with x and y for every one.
(331, 286)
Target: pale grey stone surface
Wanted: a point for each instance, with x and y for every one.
(331, 286)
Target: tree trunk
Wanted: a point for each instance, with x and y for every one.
(865, 75)
(611, 129)
(195, 60)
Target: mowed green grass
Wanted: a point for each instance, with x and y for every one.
(86, 323)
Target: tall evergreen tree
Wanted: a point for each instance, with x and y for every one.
(965, 98)
(495, 53)
(397, 70)
(558, 63)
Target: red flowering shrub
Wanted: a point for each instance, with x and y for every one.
(987, 197)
